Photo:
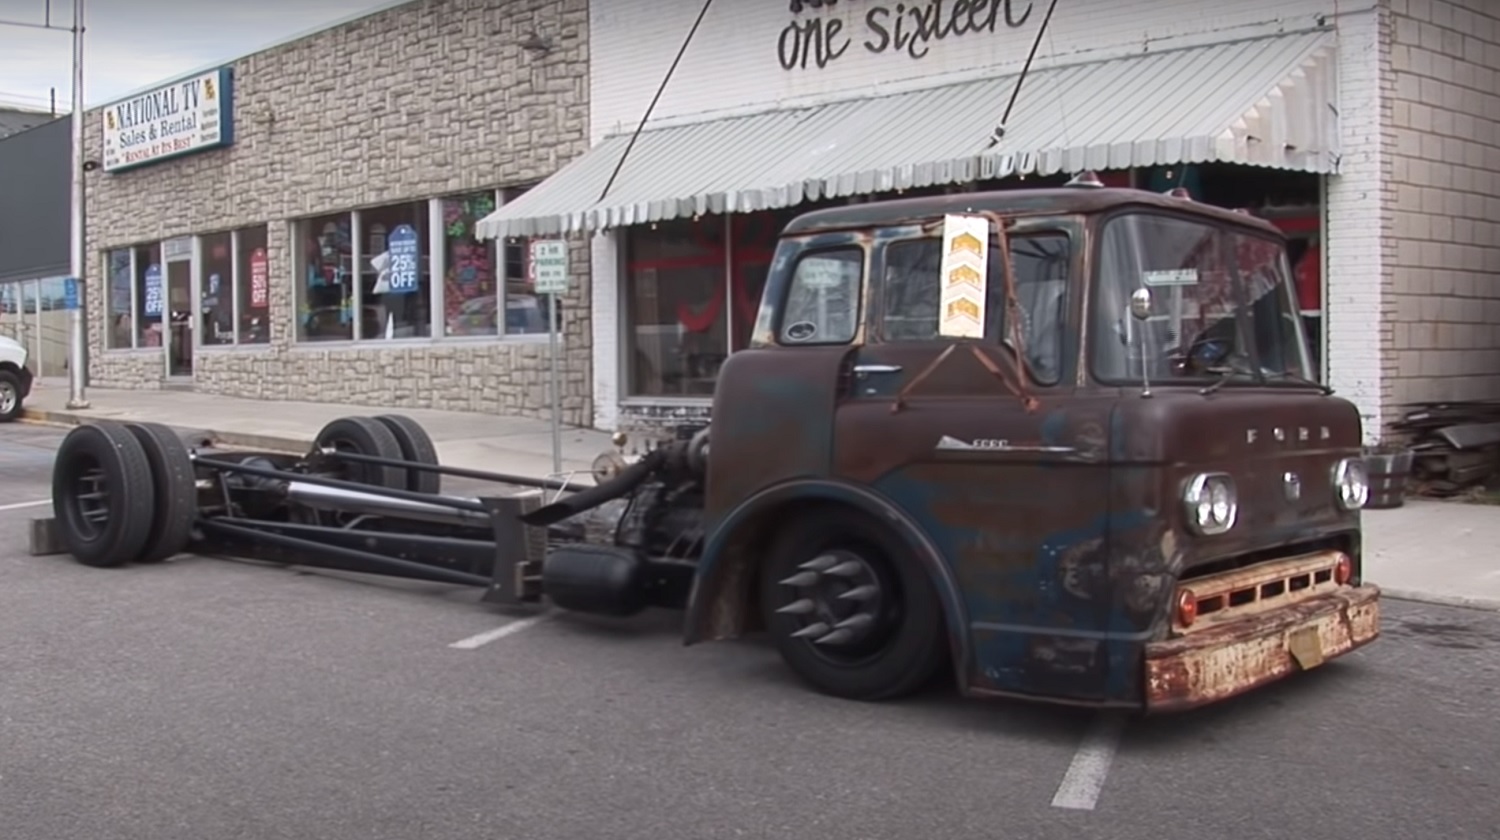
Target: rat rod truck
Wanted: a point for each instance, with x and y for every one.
(1062, 444)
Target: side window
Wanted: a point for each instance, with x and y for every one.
(910, 291)
(822, 302)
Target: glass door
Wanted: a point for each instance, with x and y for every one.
(178, 255)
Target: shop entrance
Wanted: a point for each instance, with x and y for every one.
(178, 255)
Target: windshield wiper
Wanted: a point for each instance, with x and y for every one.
(1225, 374)
(1299, 379)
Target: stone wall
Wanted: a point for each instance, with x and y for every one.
(1445, 337)
(428, 99)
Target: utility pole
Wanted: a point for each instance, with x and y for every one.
(77, 325)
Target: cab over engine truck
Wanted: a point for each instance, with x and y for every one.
(1064, 444)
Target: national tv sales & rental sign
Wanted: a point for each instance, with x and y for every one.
(187, 116)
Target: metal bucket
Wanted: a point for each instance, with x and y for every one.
(1388, 475)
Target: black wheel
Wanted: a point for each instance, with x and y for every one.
(103, 495)
(364, 436)
(176, 487)
(851, 613)
(416, 445)
(10, 396)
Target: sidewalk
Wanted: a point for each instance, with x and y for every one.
(511, 445)
(1446, 551)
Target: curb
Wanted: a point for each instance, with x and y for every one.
(238, 440)
(1460, 601)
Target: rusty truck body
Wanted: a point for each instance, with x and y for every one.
(1064, 444)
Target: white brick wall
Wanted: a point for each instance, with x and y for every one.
(1443, 341)
(1356, 299)
(732, 62)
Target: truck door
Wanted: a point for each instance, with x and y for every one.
(1002, 462)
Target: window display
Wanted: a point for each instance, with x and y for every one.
(150, 279)
(120, 334)
(395, 278)
(254, 280)
(325, 306)
(216, 298)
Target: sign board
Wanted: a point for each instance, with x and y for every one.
(963, 276)
(70, 293)
(260, 280)
(549, 266)
(152, 303)
(184, 117)
(404, 254)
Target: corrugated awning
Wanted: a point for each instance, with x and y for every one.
(1263, 101)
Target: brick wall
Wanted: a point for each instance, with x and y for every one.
(1359, 250)
(432, 98)
(1444, 340)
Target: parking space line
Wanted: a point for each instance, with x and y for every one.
(19, 505)
(1084, 781)
(500, 632)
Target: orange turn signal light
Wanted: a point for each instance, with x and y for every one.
(1343, 570)
(1187, 607)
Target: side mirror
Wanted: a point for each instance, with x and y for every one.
(1140, 309)
(1140, 304)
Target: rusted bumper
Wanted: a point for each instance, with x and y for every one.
(1241, 655)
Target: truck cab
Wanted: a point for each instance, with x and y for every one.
(1066, 440)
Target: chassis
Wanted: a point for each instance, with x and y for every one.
(368, 498)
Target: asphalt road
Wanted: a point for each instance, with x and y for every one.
(204, 699)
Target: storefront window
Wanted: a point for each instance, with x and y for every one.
(325, 307)
(216, 303)
(254, 291)
(150, 284)
(471, 296)
(120, 333)
(676, 334)
(395, 279)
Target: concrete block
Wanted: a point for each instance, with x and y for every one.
(44, 538)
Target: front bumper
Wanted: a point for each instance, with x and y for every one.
(1241, 655)
(26, 377)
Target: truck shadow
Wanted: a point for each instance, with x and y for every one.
(937, 707)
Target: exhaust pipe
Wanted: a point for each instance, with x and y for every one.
(625, 481)
(354, 501)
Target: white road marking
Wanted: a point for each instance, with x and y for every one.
(501, 632)
(19, 505)
(1084, 780)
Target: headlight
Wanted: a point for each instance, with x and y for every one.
(1211, 503)
(1351, 484)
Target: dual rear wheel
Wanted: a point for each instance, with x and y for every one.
(128, 492)
(123, 492)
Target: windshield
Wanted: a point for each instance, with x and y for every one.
(911, 291)
(1221, 305)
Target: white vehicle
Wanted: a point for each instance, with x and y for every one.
(15, 378)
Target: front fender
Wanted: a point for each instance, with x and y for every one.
(715, 608)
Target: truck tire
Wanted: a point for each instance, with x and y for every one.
(364, 436)
(103, 495)
(176, 487)
(850, 611)
(10, 396)
(417, 446)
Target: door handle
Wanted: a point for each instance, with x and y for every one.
(865, 369)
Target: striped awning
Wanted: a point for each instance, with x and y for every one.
(1263, 101)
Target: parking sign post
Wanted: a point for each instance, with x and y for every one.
(549, 266)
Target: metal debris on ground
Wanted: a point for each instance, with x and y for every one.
(1455, 445)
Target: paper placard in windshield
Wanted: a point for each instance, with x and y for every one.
(965, 271)
(1175, 277)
